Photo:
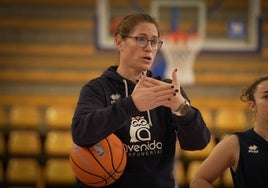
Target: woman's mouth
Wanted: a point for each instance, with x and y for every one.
(147, 58)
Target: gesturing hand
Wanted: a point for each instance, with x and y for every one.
(150, 93)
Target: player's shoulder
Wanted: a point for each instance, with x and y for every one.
(231, 139)
(229, 143)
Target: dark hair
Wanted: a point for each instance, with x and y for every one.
(248, 93)
(130, 21)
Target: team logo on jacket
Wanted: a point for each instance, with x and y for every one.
(139, 129)
(114, 97)
(141, 143)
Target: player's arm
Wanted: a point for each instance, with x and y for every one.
(224, 155)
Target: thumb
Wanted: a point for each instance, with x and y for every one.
(141, 81)
(175, 80)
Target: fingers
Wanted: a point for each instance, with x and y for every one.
(151, 82)
(174, 76)
(158, 85)
(163, 99)
(164, 89)
(175, 80)
(140, 82)
(150, 93)
(156, 99)
(161, 94)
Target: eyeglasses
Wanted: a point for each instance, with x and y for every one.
(142, 42)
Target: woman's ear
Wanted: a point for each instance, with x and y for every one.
(252, 106)
(118, 41)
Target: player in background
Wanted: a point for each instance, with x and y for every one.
(245, 153)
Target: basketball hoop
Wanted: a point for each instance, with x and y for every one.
(180, 51)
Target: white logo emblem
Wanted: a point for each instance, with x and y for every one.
(253, 149)
(139, 129)
(114, 98)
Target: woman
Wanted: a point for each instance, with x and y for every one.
(245, 153)
(147, 114)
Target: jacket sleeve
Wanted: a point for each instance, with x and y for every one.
(191, 129)
(93, 119)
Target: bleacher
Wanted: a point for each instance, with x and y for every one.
(47, 53)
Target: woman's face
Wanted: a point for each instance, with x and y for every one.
(261, 101)
(138, 58)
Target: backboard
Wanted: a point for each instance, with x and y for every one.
(225, 25)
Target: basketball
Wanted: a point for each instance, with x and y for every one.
(101, 164)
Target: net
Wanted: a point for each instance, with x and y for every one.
(180, 51)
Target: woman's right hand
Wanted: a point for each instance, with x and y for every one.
(150, 93)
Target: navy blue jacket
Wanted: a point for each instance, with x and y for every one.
(105, 106)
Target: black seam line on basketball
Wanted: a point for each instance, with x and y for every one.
(110, 148)
(120, 162)
(85, 170)
(103, 179)
(109, 175)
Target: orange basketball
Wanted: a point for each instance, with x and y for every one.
(101, 164)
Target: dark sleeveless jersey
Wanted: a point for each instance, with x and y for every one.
(252, 169)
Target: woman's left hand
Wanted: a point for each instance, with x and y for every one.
(177, 100)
